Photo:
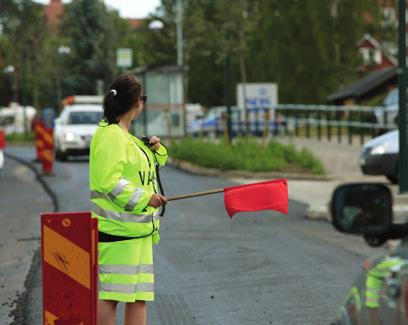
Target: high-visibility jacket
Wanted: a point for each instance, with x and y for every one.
(375, 279)
(122, 180)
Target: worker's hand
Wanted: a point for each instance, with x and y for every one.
(157, 200)
(154, 143)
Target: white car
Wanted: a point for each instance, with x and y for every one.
(74, 129)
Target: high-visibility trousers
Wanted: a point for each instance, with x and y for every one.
(126, 270)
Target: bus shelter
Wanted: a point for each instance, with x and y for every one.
(164, 112)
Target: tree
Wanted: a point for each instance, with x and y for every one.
(23, 33)
(239, 24)
(87, 25)
(308, 47)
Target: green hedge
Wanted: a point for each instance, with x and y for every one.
(250, 156)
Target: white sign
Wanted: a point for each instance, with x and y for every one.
(124, 58)
(258, 95)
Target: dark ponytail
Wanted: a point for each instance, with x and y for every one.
(121, 97)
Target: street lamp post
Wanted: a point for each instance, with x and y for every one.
(180, 59)
(157, 25)
(62, 51)
(402, 87)
(179, 24)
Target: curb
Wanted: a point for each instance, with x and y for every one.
(204, 171)
(39, 177)
(318, 212)
(321, 212)
(20, 302)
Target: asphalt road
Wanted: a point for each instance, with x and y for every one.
(258, 268)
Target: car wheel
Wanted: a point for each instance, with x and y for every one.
(60, 156)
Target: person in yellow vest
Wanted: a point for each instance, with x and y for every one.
(125, 201)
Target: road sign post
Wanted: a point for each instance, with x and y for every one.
(124, 58)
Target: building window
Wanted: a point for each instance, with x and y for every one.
(365, 52)
(377, 57)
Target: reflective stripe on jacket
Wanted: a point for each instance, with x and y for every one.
(122, 179)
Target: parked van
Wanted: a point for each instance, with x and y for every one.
(16, 118)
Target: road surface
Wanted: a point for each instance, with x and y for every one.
(258, 268)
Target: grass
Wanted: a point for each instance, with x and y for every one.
(20, 137)
(250, 156)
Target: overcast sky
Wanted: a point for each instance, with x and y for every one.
(127, 8)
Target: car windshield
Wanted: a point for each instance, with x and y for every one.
(84, 117)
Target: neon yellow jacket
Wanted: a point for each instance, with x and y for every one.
(122, 179)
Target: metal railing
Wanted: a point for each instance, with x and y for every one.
(335, 121)
(307, 120)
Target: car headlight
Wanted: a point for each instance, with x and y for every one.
(69, 136)
(379, 150)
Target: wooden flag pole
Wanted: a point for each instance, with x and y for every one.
(185, 196)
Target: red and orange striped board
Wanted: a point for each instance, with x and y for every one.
(69, 268)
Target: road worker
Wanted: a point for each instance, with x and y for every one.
(125, 201)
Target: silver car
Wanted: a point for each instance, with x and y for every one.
(380, 156)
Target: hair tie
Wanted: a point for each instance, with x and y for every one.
(114, 92)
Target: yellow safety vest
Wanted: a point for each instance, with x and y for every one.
(122, 180)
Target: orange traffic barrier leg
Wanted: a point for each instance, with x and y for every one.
(69, 268)
(47, 162)
(47, 157)
(39, 142)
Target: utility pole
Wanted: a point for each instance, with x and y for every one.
(24, 79)
(402, 88)
(180, 59)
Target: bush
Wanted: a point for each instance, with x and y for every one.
(250, 156)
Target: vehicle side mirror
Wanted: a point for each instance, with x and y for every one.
(362, 208)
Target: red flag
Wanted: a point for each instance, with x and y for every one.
(269, 195)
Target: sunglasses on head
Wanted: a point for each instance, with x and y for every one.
(144, 98)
